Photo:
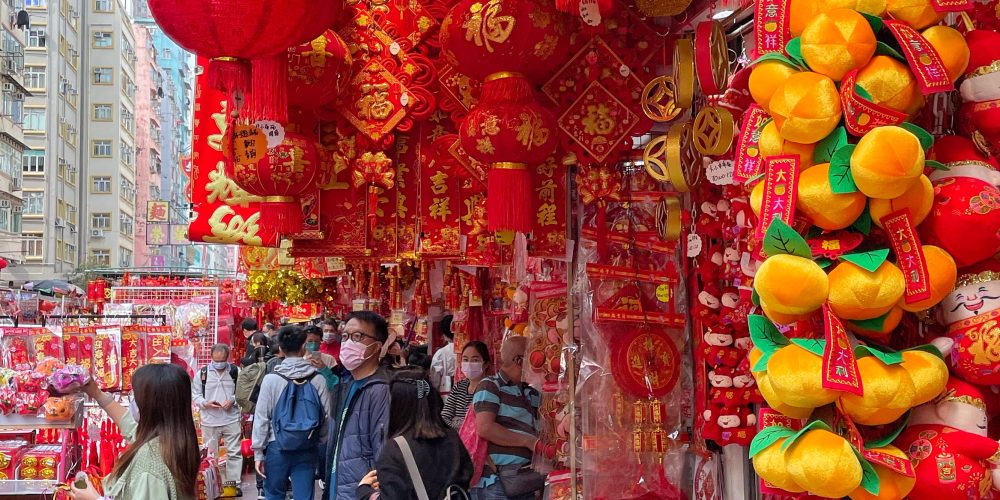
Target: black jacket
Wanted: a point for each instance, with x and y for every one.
(253, 355)
(442, 462)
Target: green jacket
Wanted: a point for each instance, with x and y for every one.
(147, 476)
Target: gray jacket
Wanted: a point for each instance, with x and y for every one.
(270, 390)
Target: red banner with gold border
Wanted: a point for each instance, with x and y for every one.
(224, 213)
(860, 114)
(909, 255)
(781, 176)
(548, 232)
(408, 164)
(748, 160)
(840, 367)
(441, 201)
(771, 26)
(924, 59)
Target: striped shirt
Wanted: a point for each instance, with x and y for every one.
(456, 407)
(516, 408)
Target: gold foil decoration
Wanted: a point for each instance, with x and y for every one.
(658, 100)
(660, 8)
(714, 129)
(683, 72)
(668, 157)
(668, 218)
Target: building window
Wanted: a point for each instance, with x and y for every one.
(31, 245)
(33, 162)
(100, 184)
(125, 257)
(128, 120)
(103, 40)
(125, 223)
(103, 76)
(36, 37)
(100, 220)
(34, 202)
(34, 77)
(128, 155)
(127, 191)
(100, 257)
(70, 253)
(4, 219)
(103, 112)
(34, 4)
(128, 86)
(34, 119)
(104, 5)
(101, 149)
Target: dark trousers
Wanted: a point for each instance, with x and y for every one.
(282, 467)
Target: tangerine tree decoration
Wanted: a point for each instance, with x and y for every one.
(510, 45)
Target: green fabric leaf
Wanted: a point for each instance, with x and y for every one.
(776, 56)
(869, 479)
(794, 50)
(875, 22)
(887, 358)
(869, 261)
(815, 346)
(768, 436)
(815, 424)
(929, 348)
(873, 325)
(936, 165)
(858, 89)
(884, 49)
(824, 262)
(925, 137)
(755, 298)
(864, 222)
(765, 337)
(780, 238)
(890, 437)
(830, 144)
(841, 180)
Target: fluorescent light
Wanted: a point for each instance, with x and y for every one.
(722, 14)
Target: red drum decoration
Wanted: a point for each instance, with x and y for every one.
(318, 70)
(280, 175)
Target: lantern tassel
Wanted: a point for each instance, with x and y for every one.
(269, 95)
(509, 200)
(229, 75)
(372, 206)
(506, 86)
(283, 213)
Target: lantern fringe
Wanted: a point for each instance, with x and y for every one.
(283, 216)
(509, 203)
(509, 87)
(229, 75)
(269, 92)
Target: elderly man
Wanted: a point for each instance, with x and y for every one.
(214, 391)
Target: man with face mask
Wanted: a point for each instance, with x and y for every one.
(331, 338)
(214, 391)
(361, 405)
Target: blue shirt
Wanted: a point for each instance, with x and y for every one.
(516, 409)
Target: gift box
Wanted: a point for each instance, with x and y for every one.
(10, 456)
(40, 462)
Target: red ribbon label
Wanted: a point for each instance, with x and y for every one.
(781, 176)
(909, 253)
(891, 462)
(923, 58)
(747, 149)
(862, 115)
(766, 417)
(951, 5)
(771, 27)
(840, 368)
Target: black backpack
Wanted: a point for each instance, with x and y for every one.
(234, 372)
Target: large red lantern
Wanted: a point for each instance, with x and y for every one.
(280, 174)
(509, 45)
(233, 32)
(318, 70)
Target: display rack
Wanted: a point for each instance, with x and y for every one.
(67, 439)
(155, 295)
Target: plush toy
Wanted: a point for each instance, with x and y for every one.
(858, 294)
(971, 313)
(951, 47)
(824, 208)
(891, 84)
(806, 107)
(965, 218)
(729, 425)
(887, 162)
(718, 349)
(790, 287)
(946, 441)
(836, 42)
(981, 89)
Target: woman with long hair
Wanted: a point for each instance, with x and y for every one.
(475, 366)
(415, 419)
(162, 459)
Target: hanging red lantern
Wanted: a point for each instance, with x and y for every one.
(279, 174)
(233, 32)
(318, 70)
(3, 263)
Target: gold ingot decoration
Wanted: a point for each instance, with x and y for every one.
(659, 101)
(667, 157)
(668, 218)
(683, 72)
(714, 130)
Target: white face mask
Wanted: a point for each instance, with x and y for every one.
(472, 369)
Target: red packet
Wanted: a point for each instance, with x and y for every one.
(78, 345)
(107, 359)
(158, 344)
(132, 353)
(47, 345)
(17, 348)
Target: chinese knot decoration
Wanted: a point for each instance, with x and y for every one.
(510, 45)
(375, 170)
(278, 174)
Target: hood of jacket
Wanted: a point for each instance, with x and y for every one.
(295, 368)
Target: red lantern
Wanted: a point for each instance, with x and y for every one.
(318, 70)
(3, 263)
(233, 32)
(280, 174)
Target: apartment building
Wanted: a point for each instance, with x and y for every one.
(148, 139)
(53, 218)
(108, 139)
(12, 146)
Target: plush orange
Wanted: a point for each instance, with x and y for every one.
(858, 294)
(951, 46)
(892, 320)
(886, 162)
(891, 84)
(796, 377)
(806, 107)
(791, 285)
(837, 41)
(765, 78)
(919, 14)
(772, 144)
(824, 208)
(802, 12)
(919, 199)
(892, 485)
(929, 374)
(771, 467)
(824, 464)
(888, 393)
(757, 197)
(942, 271)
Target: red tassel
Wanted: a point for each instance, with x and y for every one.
(229, 75)
(508, 206)
(507, 87)
(284, 216)
(269, 95)
(372, 207)
(568, 6)
(601, 224)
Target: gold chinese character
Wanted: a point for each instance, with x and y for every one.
(440, 210)
(546, 215)
(547, 191)
(439, 183)
(486, 26)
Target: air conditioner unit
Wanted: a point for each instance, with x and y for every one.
(17, 209)
(4, 203)
(8, 87)
(72, 228)
(60, 222)
(96, 233)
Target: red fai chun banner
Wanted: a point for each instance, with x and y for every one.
(440, 202)
(548, 232)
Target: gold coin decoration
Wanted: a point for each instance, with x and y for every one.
(714, 130)
(654, 158)
(667, 157)
(658, 101)
(668, 218)
(683, 72)
(718, 57)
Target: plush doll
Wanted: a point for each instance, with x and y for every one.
(971, 313)
(946, 441)
(965, 217)
(729, 425)
(981, 89)
(721, 377)
(707, 308)
(718, 349)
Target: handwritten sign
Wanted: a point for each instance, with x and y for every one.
(720, 172)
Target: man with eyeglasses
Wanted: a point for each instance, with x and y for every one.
(361, 405)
